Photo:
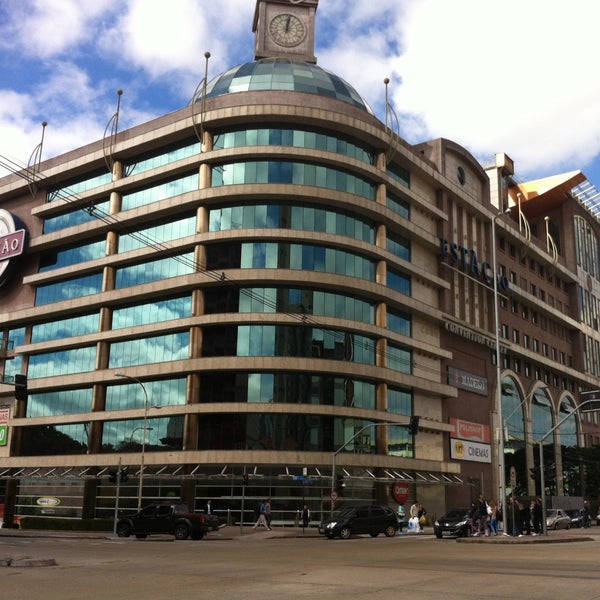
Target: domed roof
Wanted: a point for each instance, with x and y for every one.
(284, 74)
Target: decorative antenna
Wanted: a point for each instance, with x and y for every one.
(109, 140)
(551, 245)
(200, 91)
(392, 124)
(524, 228)
(33, 166)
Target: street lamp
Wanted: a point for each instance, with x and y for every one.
(145, 428)
(501, 466)
(541, 452)
(343, 446)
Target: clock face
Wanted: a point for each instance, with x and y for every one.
(287, 30)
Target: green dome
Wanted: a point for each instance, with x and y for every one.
(284, 74)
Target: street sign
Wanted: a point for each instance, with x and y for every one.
(400, 492)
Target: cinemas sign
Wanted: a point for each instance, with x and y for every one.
(470, 441)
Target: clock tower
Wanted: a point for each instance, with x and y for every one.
(285, 29)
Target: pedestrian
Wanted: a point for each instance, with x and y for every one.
(474, 518)
(305, 517)
(526, 518)
(585, 515)
(422, 514)
(482, 515)
(268, 512)
(413, 522)
(493, 518)
(401, 518)
(208, 507)
(536, 516)
(262, 519)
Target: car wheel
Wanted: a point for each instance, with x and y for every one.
(345, 533)
(390, 531)
(181, 531)
(123, 530)
(197, 535)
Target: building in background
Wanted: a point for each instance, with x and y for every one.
(268, 293)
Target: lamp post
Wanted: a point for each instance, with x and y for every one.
(501, 467)
(141, 480)
(541, 452)
(343, 446)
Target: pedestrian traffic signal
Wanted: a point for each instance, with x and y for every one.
(20, 387)
(413, 426)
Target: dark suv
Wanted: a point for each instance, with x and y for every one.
(361, 519)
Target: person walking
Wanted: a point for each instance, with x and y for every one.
(585, 515)
(536, 515)
(262, 519)
(422, 515)
(493, 518)
(414, 518)
(268, 512)
(401, 518)
(305, 517)
(482, 515)
(209, 507)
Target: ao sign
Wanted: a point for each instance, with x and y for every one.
(467, 260)
(12, 244)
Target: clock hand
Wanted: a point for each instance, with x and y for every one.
(287, 24)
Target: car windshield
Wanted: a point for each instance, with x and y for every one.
(551, 512)
(344, 513)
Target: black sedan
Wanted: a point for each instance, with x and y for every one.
(455, 523)
(371, 520)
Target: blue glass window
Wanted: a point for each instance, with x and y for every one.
(60, 402)
(293, 173)
(54, 330)
(399, 282)
(140, 165)
(400, 207)
(65, 362)
(66, 290)
(72, 256)
(157, 234)
(399, 246)
(399, 323)
(399, 174)
(149, 350)
(152, 312)
(168, 392)
(172, 266)
(162, 434)
(79, 186)
(160, 191)
(399, 359)
(76, 217)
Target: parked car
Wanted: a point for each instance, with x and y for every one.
(557, 518)
(455, 523)
(575, 516)
(357, 520)
(163, 517)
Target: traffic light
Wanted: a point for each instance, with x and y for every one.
(413, 426)
(20, 387)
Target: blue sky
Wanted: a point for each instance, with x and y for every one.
(517, 76)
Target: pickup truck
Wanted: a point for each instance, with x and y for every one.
(166, 518)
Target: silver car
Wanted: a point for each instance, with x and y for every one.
(557, 518)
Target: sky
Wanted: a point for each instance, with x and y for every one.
(517, 76)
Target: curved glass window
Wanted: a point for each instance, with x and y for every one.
(152, 312)
(290, 432)
(294, 173)
(161, 191)
(169, 392)
(79, 186)
(72, 256)
(76, 217)
(60, 402)
(399, 282)
(167, 156)
(49, 440)
(149, 350)
(157, 234)
(302, 341)
(399, 246)
(162, 434)
(172, 266)
(399, 359)
(541, 418)
(399, 174)
(273, 255)
(400, 207)
(306, 302)
(513, 407)
(302, 218)
(568, 428)
(66, 290)
(286, 136)
(54, 330)
(399, 322)
(288, 388)
(65, 362)
(400, 441)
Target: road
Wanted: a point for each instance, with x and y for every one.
(265, 566)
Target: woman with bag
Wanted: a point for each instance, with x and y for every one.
(421, 514)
